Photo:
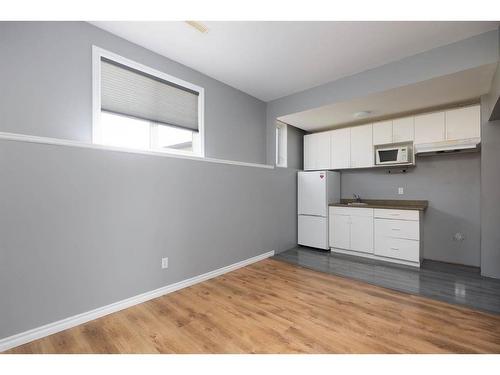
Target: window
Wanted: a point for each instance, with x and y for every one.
(281, 144)
(141, 108)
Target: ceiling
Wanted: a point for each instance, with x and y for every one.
(459, 87)
(270, 60)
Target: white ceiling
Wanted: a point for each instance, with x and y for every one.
(454, 88)
(273, 59)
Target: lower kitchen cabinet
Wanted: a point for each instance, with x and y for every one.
(385, 234)
(351, 229)
(362, 230)
(397, 248)
(397, 234)
(340, 231)
(406, 229)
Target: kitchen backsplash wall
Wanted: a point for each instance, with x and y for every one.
(451, 184)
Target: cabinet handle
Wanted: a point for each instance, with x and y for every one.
(394, 248)
(394, 214)
(396, 229)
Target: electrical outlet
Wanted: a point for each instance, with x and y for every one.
(164, 262)
(401, 190)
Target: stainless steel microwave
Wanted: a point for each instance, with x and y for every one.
(393, 154)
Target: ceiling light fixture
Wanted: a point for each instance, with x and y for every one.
(362, 114)
(198, 26)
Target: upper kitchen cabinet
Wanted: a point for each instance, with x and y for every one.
(317, 151)
(340, 140)
(430, 128)
(362, 146)
(393, 131)
(307, 152)
(463, 123)
(382, 132)
(352, 147)
(403, 129)
(451, 125)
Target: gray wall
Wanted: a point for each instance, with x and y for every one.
(295, 147)
(490, 191)
(490, 182)
(465, 54)
(82, 228)
(493, 107)
(451, 184)
(493, 97)
(46, 70)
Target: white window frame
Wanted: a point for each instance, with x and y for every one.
(97, 55)
(281, 136)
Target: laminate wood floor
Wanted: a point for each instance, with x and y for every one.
(276, 307)
(445, 282)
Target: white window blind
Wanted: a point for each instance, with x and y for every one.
(132, 93)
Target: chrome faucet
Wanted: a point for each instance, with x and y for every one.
(357, 198)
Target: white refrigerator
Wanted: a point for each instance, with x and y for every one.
(316, 190)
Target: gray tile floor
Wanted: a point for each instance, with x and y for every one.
(442, 281)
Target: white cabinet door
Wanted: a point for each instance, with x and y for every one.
(317, 151)
(308, 162)
(321, 150)
(340, 236)
(403, 129)
(362, 234)
(429, 128)
(382, 132)
(362, 146)
(340, 148)
(463, 123)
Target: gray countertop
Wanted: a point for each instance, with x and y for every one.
(393, 204)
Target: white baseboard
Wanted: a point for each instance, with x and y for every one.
(376, 257)
(61, 325)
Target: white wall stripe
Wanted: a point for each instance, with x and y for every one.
(63, 142)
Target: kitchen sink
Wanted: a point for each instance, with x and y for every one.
(357, 204)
